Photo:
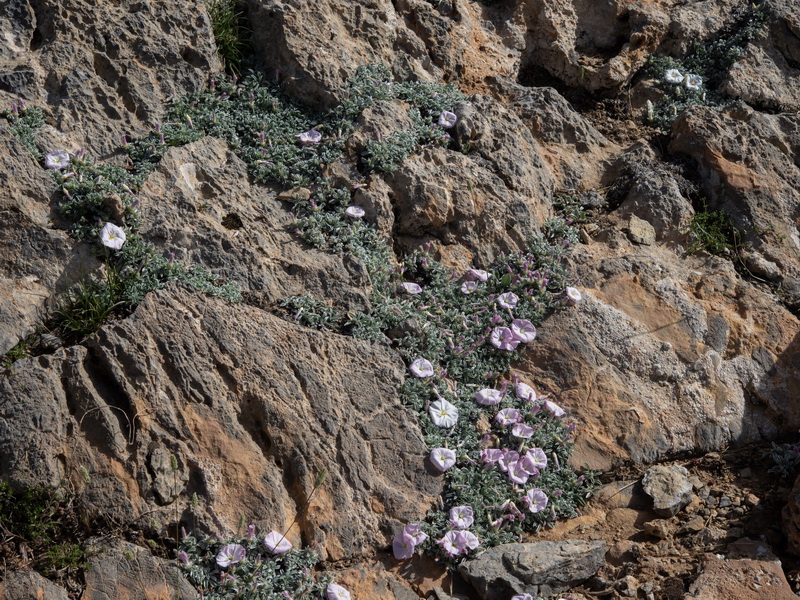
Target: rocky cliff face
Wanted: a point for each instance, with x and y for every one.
(193, 410)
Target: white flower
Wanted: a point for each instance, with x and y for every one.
(355, 212)
(422, 368)
(336, 592)
(554, 408)
(57, 159)
(447, 119)
(694, 82)
(276, 543)
(443, 414)
(411, 288)
(508, 300)
(112, 236)
(476, 275)
(574, 294)
(525, 392)
(461, 517)
(488, 397)
(443, 458)
(523, 330)
(673, 76)
(312, 136)
(468, 287)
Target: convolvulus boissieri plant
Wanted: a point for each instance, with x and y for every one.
(23, 122)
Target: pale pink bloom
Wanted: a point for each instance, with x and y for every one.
(467, 541)
(447, 119)
(528, 464)
(461, 517)
(230, 555)
(112, 236)
(403, 546)
(525, 392)
(538, 457)
(508, 416)
(554, 408)
(443, 458)
(693, 82)
(336, 592)
(183, 557)
(468, 287)
(503, 338)
(523, 330)
(521, 430)
(490, 456)
(276, 543)
(508, 300)
(476, 275)
(415, 531)
(536, 500)
(450, 543)
(509, 458)
(443, 413)
(355, 212)
(517, 474)
(522, 597)
(574, 294)
(488, 397)
(673, 76)
(412, 288)
(421, 368)
(57, 160)
(312, 136)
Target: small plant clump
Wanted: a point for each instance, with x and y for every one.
(23, 121)
(713, 232)
(229, 34)
(786, 458)
(694, 79)
(257, 567)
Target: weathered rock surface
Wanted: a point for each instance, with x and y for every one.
(541, 568)
(200, 205)
(666, 356)
(252, 408)
(29, 585)
(35, 259)
(103, 69)
(125, 571)
(741, 580)
(669, 487)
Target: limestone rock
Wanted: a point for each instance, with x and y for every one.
(541, 568)
(104, 69)
(669, 487)
(200, 205)
(741, 580)
(252, 408)
(118, 569)
(29, 585)
(640, 231)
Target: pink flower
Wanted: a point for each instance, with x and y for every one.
(536, 500)
(523, 330)
(415, 531)
(522, 597)
(574, 295)
(521, 430)
(336, 592)
(476, 275)
(461, 517)
(421, 368)
(450, 543)
(538, 457)
(517, 474)
(468, 287)
(312, 136)
(467, 541)
(503, 338)
(488, 397)
(356, 212)
(403, 546)
(528, 464)
(525, 392)
(183, 557)
(509, 458)
(230, 555)
(276, 543)
(508, 416)
(554, 408)
(508, 300)
(443, 458)
(490, 456)
(411, 288)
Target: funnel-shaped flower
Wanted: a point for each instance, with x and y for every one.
(57, 160)
(508, 300)
(503, 338)
(461, 517)
(421, 368)
(312, 136)
(673, 76)
(443, 414)
(574, 294)
(536, 500)
(523, 330)
(411, 288)
(488, 397)
(443, 458)
(276, 543)
(230, 555)
(403, 546)
(336, 592)
(354, 212)
(112, 236)
(447, 119)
